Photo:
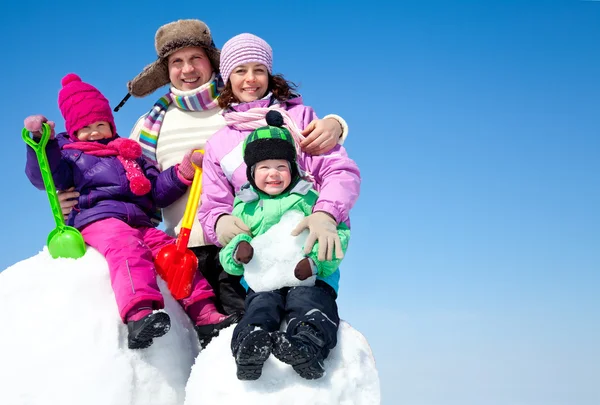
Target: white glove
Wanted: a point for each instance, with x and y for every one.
(228, 226)
(323, 228)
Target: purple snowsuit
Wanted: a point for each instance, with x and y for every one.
(117, 222)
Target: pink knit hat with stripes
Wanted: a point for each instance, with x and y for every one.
(244, 48)
(81, 104)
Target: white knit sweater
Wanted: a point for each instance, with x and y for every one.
(180, 132)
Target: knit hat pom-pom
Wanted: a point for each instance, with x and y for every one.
(274, 119)
(139, 185)
(71, 77)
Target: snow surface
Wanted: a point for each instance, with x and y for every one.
(62, 342)
(351, 377)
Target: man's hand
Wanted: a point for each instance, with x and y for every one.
(321, 136)
(68, 199)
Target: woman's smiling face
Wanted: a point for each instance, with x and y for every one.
(249, 81)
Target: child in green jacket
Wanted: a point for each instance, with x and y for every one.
(276, 188)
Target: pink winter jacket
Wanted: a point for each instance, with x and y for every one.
(336, 176)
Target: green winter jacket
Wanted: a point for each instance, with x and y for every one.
(261, 211)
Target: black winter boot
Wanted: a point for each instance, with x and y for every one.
(207, 332)
(303, 351)
(142, 332)
(251, 354)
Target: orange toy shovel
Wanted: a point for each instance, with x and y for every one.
(175, 263)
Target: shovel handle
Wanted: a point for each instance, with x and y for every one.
(192, 203)
(40, 152)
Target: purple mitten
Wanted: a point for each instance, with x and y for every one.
(186, 167)
(33, 124)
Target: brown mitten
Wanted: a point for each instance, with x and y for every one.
(303, 269)
(244, 252)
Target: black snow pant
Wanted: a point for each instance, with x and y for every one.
(315, 306)
(230, 294)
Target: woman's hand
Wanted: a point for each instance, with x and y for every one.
(323, 229)
(321, 136)
(228, 226)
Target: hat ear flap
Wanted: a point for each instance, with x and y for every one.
(151, 78)
(214, 55)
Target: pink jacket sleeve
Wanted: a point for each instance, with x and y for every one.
(337, 177)
(217, 195)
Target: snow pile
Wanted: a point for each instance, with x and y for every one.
(62, 343)
(351, 377)
(276, 254)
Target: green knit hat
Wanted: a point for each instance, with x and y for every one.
(270, 142)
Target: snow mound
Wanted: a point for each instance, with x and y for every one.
(351, 377)
(62, 341)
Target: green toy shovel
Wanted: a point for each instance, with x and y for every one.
(63, 241)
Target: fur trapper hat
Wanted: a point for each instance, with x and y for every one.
(169, 39)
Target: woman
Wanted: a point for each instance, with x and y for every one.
(252, 92)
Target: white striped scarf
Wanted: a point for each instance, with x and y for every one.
(205, 98)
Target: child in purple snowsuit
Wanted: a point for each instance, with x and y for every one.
(119, 192)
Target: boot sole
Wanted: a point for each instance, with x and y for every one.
(286, 352)
(207, 332)
(160, 325)
(252, 354)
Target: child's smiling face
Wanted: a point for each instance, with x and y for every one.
(272, 176)
(95, 132)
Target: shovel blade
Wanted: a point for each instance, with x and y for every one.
(177, 268)
(66, 242)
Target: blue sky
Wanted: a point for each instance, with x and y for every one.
(474, 266)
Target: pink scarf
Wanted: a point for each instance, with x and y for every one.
(127, 151)
(255, 118)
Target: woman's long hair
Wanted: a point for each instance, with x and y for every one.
(282, 90)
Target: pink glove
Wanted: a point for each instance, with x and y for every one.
(186, 167)
(33, 124)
